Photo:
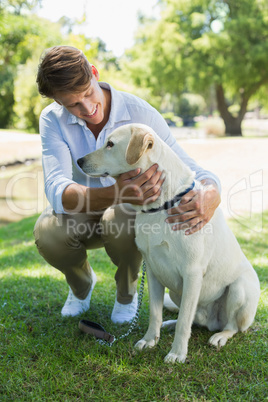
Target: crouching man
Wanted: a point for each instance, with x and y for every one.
(83, 114)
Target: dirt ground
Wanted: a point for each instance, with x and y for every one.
(240, 163)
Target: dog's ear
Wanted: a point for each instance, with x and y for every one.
(140, 141)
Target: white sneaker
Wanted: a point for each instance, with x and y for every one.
(124, 312)
(74, 306)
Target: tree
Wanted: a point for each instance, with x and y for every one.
(199, 43)
(13, 30)
(18, 7)
(28, 103)
(22, 35)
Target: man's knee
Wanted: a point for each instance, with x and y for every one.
(53, 234)
(45, 234)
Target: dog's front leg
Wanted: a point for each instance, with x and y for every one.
(156, 297)
(190, 295)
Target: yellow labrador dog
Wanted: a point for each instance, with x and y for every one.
(208, 276)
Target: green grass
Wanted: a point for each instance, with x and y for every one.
(45, 357)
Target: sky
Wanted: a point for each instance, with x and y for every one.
(113, 21)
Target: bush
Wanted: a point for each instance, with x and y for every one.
(214, 126)
(189, 106)
(171, 119)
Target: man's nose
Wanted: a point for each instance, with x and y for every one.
(87, 107)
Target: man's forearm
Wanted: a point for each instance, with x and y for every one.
(78, 198)
(129, 188)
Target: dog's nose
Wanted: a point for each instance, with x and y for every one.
(80, 162)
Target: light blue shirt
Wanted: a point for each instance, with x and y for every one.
(66, 138)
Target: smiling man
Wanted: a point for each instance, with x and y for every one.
(84, 113)
(92, 105)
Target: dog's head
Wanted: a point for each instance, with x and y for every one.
(127, 147)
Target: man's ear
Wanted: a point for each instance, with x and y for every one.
(140, 141)
(95, 72)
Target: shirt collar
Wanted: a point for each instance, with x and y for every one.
(118, 113)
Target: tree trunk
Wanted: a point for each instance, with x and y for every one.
(232, 124)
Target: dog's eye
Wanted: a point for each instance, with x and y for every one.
(110, 144)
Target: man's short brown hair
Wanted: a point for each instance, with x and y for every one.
(63, 69)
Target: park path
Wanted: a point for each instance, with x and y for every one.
(242, 166)
(240, 163)
(16, 146)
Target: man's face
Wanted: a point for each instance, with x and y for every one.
(89, 105)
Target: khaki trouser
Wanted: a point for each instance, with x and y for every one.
(63, 241)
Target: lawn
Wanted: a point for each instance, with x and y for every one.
(45, 357)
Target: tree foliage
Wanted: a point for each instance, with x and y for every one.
(18, 7)
(28, 102)
(199, 43)
(197, 46)
(23, 37)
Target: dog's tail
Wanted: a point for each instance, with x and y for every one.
(169, 305)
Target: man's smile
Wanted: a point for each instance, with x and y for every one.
(93, 113)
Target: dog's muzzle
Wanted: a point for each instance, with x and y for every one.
(90, 168)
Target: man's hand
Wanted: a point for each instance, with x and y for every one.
(133, 188)
(196, 208)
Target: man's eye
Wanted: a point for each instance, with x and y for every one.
(110, 144)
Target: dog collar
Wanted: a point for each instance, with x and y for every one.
(171, 203)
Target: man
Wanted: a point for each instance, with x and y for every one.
(79, 219)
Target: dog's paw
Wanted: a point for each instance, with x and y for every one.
(173, 358)
(218, 340)
(143, 344)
